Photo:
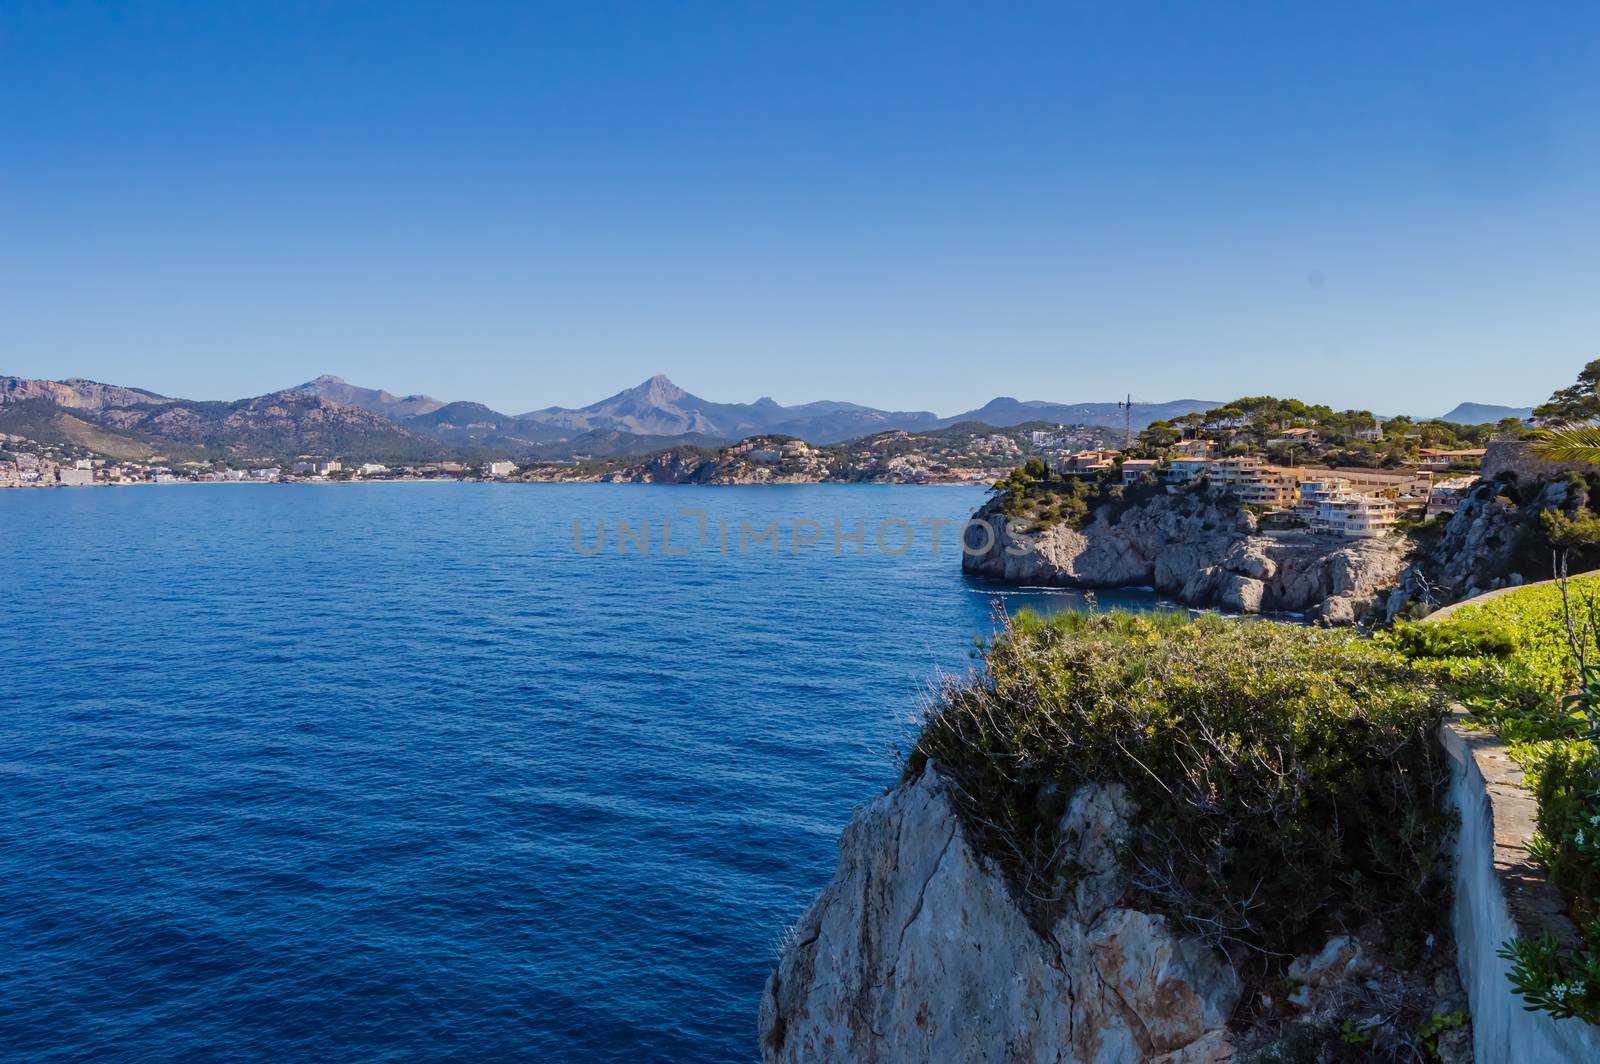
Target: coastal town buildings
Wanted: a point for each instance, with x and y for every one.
(1349, 502)
(505, 469)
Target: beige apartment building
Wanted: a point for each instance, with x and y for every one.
(1091, 461)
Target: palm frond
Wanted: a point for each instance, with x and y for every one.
(1568, 443)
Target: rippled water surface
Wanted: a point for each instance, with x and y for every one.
(393, 772)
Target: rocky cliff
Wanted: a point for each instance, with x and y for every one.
(916, 952)
(1204, 550)
(75, 393)
(1493, 540)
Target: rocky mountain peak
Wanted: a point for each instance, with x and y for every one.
(658, 389)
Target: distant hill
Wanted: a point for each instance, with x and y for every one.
(43, 421)
(1485, 413)
(1005, 412)
(373, 400)
(278, 425)
(660, 408)
(474, 427)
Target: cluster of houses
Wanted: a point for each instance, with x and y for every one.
(1353, 503)
(29, 470)
(32, 470)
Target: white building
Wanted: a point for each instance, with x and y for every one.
(505, 469)
(1314, 492)
(1354, 516)
(372, 469)
(72, 476)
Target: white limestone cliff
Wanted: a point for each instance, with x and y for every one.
(917, 952)
(1204, 552)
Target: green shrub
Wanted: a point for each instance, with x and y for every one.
(1564, 978)
(1287, 777)
(1469, 637)
(1517, 693)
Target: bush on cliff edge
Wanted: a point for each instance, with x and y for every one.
(1287, 778)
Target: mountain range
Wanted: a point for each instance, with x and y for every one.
(659, 408)
(328, 415)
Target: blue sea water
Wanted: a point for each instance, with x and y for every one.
(396, 772)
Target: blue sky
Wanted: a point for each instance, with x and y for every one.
(920, 205)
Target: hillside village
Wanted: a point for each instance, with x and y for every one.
(1306, 468)
(1352, 502)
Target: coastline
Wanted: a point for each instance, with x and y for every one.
(597, 482)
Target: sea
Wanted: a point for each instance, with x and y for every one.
(445, 771)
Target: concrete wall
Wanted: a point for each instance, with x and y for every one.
(1499, 895)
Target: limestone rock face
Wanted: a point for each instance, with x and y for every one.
(1205, 552)
(917, 952)
(1478, 548)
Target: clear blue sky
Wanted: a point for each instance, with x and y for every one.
(1387, 205)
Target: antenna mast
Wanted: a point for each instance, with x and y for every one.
(1127, 420)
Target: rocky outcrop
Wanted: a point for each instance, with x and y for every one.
(917, 952)
(1481, 544)
(1204, 550)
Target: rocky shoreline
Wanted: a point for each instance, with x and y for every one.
(1205, 551)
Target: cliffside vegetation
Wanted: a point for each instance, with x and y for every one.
(1032, 494)
(1287, 779)
(1335, 437)
(1578, 402)
(1514, 661)
(1507, 529)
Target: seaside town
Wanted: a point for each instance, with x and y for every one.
(44, 470)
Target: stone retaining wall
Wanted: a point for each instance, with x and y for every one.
(1499, 895)
(1514, 456)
